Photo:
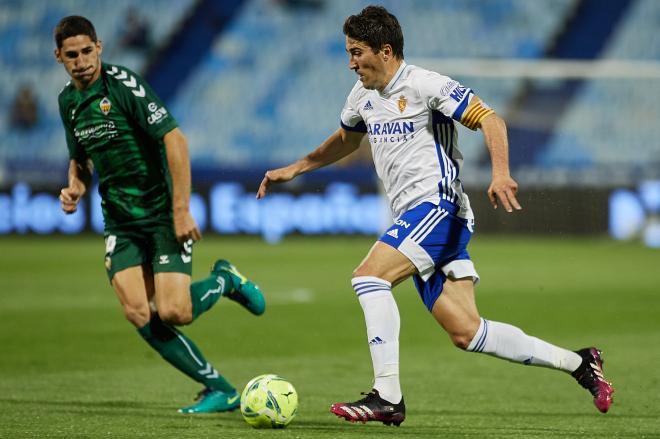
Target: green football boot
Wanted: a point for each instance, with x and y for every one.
(213, 401)
(247, 294)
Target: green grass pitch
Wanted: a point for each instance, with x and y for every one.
(71, 366)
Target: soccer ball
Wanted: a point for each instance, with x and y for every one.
(269, 401)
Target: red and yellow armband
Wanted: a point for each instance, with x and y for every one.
(476, 112)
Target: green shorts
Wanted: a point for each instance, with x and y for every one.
(153, 245)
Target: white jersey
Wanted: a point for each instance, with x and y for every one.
(414, 141)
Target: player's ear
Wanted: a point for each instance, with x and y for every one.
(387, 51)
(99, 46)
(57, 55)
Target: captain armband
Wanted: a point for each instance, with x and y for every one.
(475, 114)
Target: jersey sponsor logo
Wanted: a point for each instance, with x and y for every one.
(404, 127)
(402, 103)
(157, 114)
(105, 129)
(394, 233)
(105, 105)
(458, 93)
(128, 80)
(402, 223)
(368, 106)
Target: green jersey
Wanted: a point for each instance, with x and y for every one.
(119, 123)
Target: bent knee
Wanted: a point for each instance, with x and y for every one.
(461, 341)
(175, 315)
(137, 315)
(359, 272)
(369, 270)
(462, 337)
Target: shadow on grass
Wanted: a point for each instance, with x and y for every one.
(420, 423)
(449, 427)
(339, 427)
(123, 408)
(81, 403)
(533, 413)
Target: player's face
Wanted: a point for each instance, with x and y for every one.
(369, 66)
(81, 58)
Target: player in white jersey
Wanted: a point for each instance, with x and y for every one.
(410, 115)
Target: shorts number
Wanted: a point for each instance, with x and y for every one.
(186, 254)
(110, 243)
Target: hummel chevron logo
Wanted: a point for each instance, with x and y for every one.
(128, 80)
(375, 341)
(394, 233)
(208, 371)
(368, 106)
(131, 82)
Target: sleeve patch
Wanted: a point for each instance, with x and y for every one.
(157, 114)
(444, 91)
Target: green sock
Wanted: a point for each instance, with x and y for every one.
(181, 352)
(206, 292)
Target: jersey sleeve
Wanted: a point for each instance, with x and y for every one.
(141, 103)
(351, 120)
(76, 151)
(452, 99)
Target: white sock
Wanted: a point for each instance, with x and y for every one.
(382, 318)
(506, 341)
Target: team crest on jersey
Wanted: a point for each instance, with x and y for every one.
(105, 106)
(402, 103)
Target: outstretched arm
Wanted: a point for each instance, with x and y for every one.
(80, 177)
(502, 188)
(176, 148)
(340, 144)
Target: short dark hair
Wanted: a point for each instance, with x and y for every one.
(375, 26)
(72, 26)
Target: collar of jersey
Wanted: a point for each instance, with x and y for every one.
(395, 78)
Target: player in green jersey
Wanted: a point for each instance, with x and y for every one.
(116, 124)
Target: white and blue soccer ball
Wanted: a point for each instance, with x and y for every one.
(269, 401)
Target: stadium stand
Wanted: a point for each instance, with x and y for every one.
(612, 123)
(26, 57)
(274, 80)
